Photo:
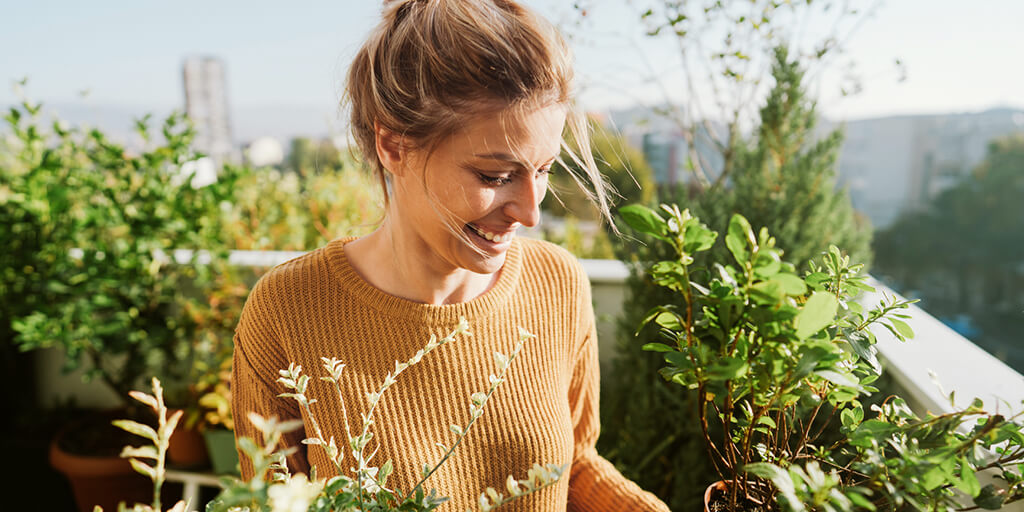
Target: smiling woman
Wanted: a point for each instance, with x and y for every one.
(459, 107)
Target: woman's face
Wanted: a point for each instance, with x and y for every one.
(485, 182)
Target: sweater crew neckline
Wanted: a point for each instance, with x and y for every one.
(432, 314)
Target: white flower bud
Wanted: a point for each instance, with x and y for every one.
(513, 486)
(502, 360)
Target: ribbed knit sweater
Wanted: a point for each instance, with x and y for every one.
(546, 411)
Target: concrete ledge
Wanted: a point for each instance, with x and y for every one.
(959, 365)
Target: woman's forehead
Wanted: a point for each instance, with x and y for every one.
(514, 136)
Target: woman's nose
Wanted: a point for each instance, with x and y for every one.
(524, 204)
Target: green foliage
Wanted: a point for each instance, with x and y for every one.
(769, 352)
(782, 178)
(303, 209)
(92, 230)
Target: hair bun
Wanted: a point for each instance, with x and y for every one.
(395, 10)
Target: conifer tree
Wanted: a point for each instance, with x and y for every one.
(781, 177)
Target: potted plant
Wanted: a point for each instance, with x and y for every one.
(98, 226)
(775, 358)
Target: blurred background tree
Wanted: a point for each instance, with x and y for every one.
(963, 254)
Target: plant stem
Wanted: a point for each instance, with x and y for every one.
(702, 414)
(807, 430)
(487, 397)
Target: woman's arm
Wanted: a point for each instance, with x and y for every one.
(258, 356)
(594, 483)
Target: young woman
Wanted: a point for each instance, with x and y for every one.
(459, 106)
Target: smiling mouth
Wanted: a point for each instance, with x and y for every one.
(491, 237)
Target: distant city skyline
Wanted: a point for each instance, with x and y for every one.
(959, 57)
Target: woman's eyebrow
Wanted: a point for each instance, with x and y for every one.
(504, 157)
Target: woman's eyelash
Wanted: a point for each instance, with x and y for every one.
(505, 180)
(495, 180)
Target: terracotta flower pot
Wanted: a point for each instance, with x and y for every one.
(717, 487)
(100, 480)
(187, 449)
(716, 499)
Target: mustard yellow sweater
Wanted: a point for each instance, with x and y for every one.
(546, 411)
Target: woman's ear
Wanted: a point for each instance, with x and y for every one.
(390, 149)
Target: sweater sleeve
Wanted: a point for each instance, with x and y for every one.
(594, 483)
(258, 356)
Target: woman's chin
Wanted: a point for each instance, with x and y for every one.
(476, 263)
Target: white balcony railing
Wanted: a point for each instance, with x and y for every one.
(958, 365)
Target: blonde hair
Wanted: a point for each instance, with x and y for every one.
(431, 66)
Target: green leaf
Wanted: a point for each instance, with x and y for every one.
(989, 498)
(861, 346)
(902, 328)
(819, 312)
(791, 285)
(847, 418)
(809, 357)
(875, 429)
(767, 292)
(145, 452)
(728, 368)
(669, 320)
(644, 220)
(839, 379)
(171, 424)
(658, 347)
(137, 428)
(678, 359)
(697, 237)
(936, 476)
(780, 478)
(651, 315)
(143, 468)
(968, 481)
(385, 471)
(767, 263)
(739, 239)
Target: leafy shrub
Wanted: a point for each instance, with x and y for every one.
(769, 352)
(93, 229)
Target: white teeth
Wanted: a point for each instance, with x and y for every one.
(491, 236)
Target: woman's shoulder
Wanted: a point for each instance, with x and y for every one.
(297, 276)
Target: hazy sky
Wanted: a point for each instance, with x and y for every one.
(959, 56)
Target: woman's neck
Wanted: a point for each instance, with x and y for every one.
(402, 266)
